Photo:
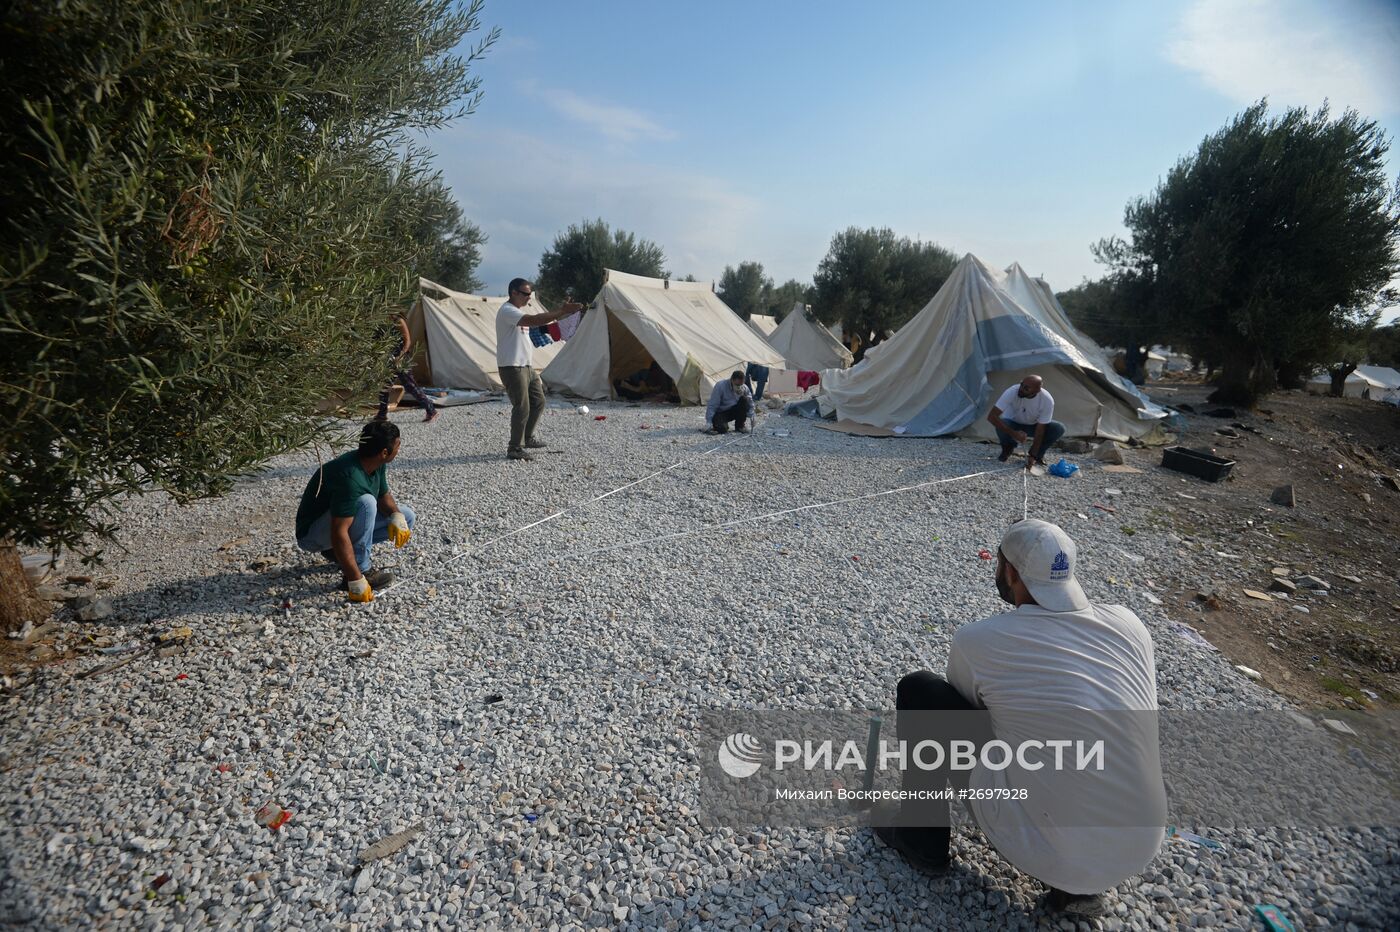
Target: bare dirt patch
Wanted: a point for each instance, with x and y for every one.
(1342, 457)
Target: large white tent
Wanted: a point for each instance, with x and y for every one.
(634, 321)
(806, 344)
(1385, 382)
(984, 331)
(457, 335)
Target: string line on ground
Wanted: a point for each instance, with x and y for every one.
(738, 522)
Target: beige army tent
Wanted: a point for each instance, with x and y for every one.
(457, 336)
(982, 332)
(806, 344)
(634, 321)
(763, 325)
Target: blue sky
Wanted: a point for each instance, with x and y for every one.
(754, 131)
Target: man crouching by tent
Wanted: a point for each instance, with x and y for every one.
(1024, 411)
(1056, 667)
(347, 508)
(730, 402)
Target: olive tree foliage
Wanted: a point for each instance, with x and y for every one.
(872, 281)
(1265, 246)
(572, 267)
(1108, 310)
(745, 288)
(780, 299)
(451, 244)
(211, 210)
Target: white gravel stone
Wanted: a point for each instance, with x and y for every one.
(541, 674)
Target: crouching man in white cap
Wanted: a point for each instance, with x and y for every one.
(1056, 667)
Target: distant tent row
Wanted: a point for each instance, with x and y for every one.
(682, 327)
(983, 331)
(1378, 383)
(457, 333)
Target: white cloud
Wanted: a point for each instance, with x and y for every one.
(1295, 51)
(613, 121)
(522, 190)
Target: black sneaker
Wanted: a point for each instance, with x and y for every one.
(535, 444)
(518, 455)
(918, 857)
(1078, 905)
(1005, 453)
(377, 579)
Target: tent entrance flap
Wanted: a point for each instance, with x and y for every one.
(626, 354)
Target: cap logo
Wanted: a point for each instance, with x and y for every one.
(1060, 568)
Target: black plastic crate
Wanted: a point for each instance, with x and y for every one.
(1197, 463)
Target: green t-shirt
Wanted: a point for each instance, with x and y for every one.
(337, 487)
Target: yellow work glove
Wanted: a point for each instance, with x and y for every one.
(398, 529)
(360, 590)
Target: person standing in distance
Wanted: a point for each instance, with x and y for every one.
(514, 360)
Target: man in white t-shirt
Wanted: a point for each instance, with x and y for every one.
(1022, 411)
(1058, 667)
(514, 361)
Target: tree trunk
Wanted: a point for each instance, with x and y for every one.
(18, 603)
(1292, 375)
(1239, 378)
(1339, 380)
(1133, 359)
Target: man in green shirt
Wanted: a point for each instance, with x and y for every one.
(346, 508)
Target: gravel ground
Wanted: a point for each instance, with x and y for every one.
(569, 802)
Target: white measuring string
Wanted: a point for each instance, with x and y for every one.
(1025, 494)
(739, 522)
(565, 510)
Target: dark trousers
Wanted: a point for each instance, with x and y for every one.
(1053, 431)
(736, 414)
(927, 692)
(756, 377)
(526, 392)
(405, 378)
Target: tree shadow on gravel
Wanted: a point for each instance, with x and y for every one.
(227, 592)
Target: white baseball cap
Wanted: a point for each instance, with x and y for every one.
(1045, 558)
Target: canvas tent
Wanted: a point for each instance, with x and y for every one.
(983, 331)
(1377, 383)
(457, 336)
(763, 325)
(1385, 383)
(634, 321)
(806, 344)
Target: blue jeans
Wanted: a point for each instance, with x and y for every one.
(1053, 431)
(366, 529)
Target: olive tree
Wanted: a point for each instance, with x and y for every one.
(211, 208)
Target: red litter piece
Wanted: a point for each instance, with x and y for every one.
(273, 816)
(984, 553)
(855, 557)
(183, 676)
(600, 417)
(224, 768)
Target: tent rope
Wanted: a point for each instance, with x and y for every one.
(567, 508)
(738, 522)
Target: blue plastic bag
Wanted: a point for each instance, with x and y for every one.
(1064, 469)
